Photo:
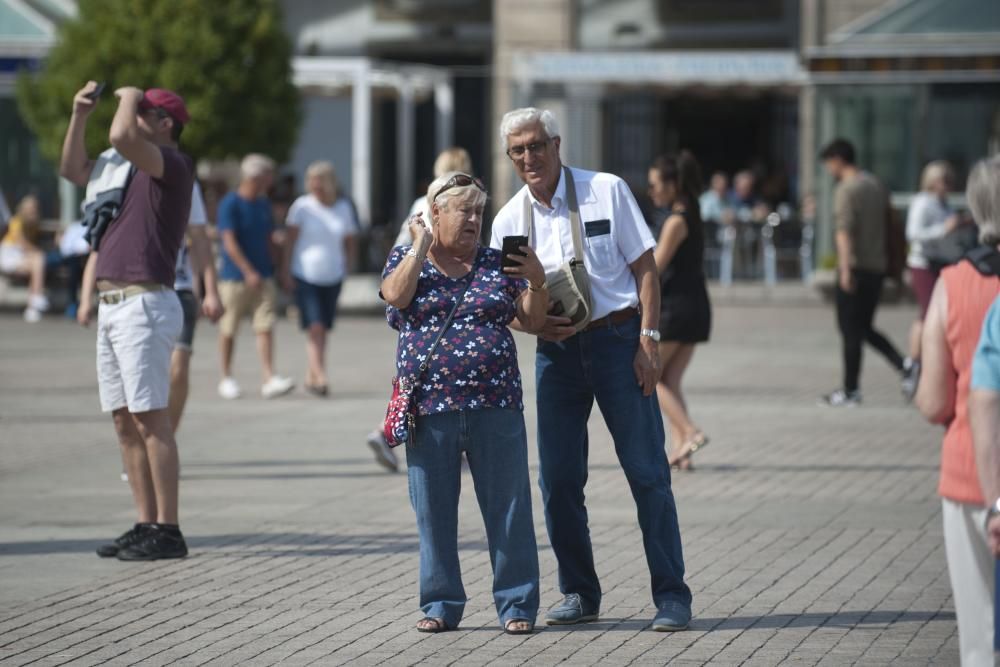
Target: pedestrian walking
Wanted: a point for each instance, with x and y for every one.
(685, 311)
(859, 210)
(247, 285)
(321, 230)
(961, 299)
(452, 303)
(140, 317)
(603, 348)
(455, 158)
(929, 218)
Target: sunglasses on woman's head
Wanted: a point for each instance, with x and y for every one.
(460, 181)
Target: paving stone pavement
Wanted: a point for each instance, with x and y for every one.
(811, 536)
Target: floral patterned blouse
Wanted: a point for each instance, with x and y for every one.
(475, 364)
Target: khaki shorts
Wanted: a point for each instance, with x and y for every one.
(240, 301)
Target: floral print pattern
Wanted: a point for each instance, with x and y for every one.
(475, 365)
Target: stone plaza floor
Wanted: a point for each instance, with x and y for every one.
(811, 535)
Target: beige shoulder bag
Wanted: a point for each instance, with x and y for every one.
(569, 285)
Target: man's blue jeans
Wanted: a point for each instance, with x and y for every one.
(570, 375)
(496, 445)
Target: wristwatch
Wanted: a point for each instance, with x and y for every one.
(992, 511)
(413, 253)
(650, 333)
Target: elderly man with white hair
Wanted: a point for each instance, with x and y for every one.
(246, 278)
(608, 354)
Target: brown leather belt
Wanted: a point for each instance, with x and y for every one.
(611, 319)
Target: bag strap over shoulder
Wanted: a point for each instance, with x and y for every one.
(574, 215)
(444, 327)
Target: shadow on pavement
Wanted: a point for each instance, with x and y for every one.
(255, 545)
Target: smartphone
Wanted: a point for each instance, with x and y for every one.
(511, 246)
(96, 92)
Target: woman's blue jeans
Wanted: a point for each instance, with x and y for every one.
(495, 443)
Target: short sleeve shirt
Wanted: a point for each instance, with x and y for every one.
(252, 224)
(142, 243)
(184, 273)
(318, 257)
(614, 234)
(859, 209)
(986, 363)
(475, 365)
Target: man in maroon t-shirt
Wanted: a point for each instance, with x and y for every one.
(140, 317)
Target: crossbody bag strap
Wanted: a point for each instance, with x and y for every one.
(529, 220)
(574, 213)
(444, 327)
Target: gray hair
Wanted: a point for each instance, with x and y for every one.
(518, 119)
(463, 192)
(255, 165)
(983, 195)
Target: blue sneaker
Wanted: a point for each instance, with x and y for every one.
(570, 612)
(672, 617)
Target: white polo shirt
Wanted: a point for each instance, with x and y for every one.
(614, 234)
(184, 272)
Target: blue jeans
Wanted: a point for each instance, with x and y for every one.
(496, 445)
(570, 375)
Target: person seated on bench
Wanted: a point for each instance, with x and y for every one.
(21, 256)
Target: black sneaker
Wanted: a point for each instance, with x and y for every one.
(155, 543)
(127, 539)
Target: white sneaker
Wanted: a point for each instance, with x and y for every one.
(384, 455)
(32, 315)
(229, 389)
(38, 302)
(277, 386)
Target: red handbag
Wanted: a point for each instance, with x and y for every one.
(401, 415)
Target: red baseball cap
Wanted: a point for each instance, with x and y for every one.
(167, 100)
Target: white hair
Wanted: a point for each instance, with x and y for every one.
(463, 192)
(255, 165)
(518, 119)
(983, 195)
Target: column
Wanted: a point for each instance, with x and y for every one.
(361, 113)
(444, 105)
(405, 147)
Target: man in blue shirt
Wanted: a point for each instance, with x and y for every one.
(246, 279)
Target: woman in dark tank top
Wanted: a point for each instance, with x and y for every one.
(685, 311)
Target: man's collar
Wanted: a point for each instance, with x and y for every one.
(558, 197)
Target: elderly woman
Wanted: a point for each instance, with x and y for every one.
(321, 233)
(958, 306)
(928, 218)
(468, 399)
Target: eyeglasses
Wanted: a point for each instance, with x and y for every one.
(160, 112)
(535, 148)
(459, 181)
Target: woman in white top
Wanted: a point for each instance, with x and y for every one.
(321, 243)
(929, 218)
(455, 158)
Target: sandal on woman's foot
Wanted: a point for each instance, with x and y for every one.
(510, 630)
(698, 441)
(432, 625)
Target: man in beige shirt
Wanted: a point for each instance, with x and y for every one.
(859, 211)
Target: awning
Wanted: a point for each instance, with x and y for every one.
(663, 68)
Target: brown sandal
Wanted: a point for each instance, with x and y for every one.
(432, 625)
